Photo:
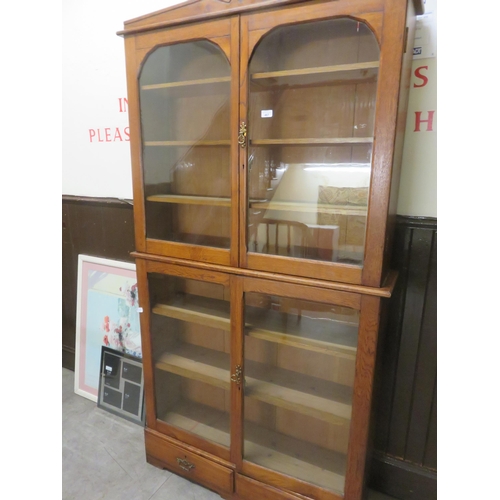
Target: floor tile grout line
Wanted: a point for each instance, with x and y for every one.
(160, 487)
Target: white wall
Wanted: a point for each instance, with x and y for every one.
(95, 152)
(418, 184)
(94, 81)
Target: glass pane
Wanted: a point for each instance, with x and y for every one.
(185, 96)
(190, 344)
(311, 125)
(300, 359)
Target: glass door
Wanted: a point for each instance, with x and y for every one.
(311, 106)
(299, 364)
(190, 347)
(185, 121)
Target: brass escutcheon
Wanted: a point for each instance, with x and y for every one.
(242, 136)
(236, 376)
(184, 464)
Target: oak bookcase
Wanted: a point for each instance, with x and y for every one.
(266, 142)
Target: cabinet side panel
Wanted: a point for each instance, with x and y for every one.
(391, 61)
(404, 91)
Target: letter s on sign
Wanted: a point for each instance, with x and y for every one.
(418, 74)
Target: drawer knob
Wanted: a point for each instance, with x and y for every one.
(184, 464)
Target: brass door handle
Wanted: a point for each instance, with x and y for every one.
(236, 376)
(184, 464)
(242, 136)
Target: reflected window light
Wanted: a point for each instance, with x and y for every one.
(313, 167)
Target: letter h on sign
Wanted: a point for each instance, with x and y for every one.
(419, 120)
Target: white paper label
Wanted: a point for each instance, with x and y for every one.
(109, 369)
(266, 113)
(140, 309)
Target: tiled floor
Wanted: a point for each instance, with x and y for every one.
(103, 457)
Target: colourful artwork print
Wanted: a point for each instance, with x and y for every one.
(108, 315)
(122, 331)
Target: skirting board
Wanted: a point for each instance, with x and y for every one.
(401, 479)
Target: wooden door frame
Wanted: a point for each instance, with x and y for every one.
(144, 267)
(224, 34)
(370, 308)
(386, 19)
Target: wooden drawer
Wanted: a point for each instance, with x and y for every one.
(189, 465)
(250, 489)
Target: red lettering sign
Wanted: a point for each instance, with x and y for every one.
(418, 74)
(112, 134)
(109, 134)
(123, 104)
(419, 120)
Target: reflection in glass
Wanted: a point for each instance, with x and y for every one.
(190, 345)
(185, 110)
(299, 374)
(312, 107)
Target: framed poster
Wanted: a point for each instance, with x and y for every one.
(107, 314)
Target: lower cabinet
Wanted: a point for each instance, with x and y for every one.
(257, 388)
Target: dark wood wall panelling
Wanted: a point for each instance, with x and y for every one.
(405, 432)
(405, 435)
(99, 227)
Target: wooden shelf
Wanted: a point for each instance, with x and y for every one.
(307, 395)
(333, 338)
(326, 401)
(200, 310)
(311, 141)
(306, 343)
(184, 199)
(186, 83)
(317, 70)
(190, 200)
(197, 363)
(315, 77)
(293, 206)
(288, 455)
(341, 68)
(221, 142)
(204, 421)
(337, 339)
(294, 457)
